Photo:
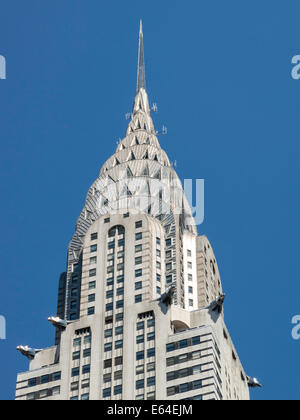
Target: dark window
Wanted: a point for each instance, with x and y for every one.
(120, 291)
(75, 371)
(32, 382)
(151, 352)
(118, 344)
(109, 294)
(140, 355)
(118, 360)
(140, 325)
(107, 346)
(138, 298)
(91, 298)
(138, 248)
(118, 330)
(151, 381)
(138, 260)
(86, 369)
(76, 355)
(196, 340)
(170, 347)
(107, 220)
(108, 320)
(92, 272)
(107, 377)
(108, 333)
(168, 242)
(138, 273)
(106, 392)
(119, 304)
(119, 317)
(158, 241)
(86, 353)
(94, 236)
(140, 384)
(56, 376)
(92, 285)
(109, 307)
(139, 224)
(151, 336)
(140, 339)
(138, 236)
(120, 279)
(183, 344)
(151, 323)
(118, 389)
(107, 363)
(91, 311)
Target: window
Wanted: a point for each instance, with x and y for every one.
(93, 248)
(151, 336)
(86, 369)
(92, 272)
(73, 304)
(56, 376)
(158, 265)
(108, 347)
(138, 285)
(190, 264)
(139, 224)
(140, 355)
(92, 285)
(151, 395)
(151, 322)
(138, 273)
(139, 369)
(169, 254)
(120, 267)
(168, 242)
(138, 260)
(87, 339)
(75, 371)
(196, 340)
(94, 236)
(110, 282)
(184, 387)
(169, 279)
(190, 289)
(138, 236)
(93, 260)
(85, 383)
(107, 363)
(118, 330)
(109, 294)
(183, 344)
(158, 290)
(77, 342)
(138, 298)
(140, 384)
(118, 389)
(120, 279)
(169, 266)
(158, 253)
(120, 291)
(189, 253)
(74, 386)
(119, 344)
(191, 302)
(140, 325)
(109, 307)
(111, 245)
(107, 377)
(151, 352)
(140, 339)
(118, 360)
(108, 333)
(119, 317)
(150, 367)
(106, 392)
(125, 215)
(190, 277)
(91, 311)
(32, 382)
(170, 347)
(107, 220)
(151, 381)
(138, 248)
(158, 277)
(119, 304)
(76, 355)
(158, 241)
(91, 298)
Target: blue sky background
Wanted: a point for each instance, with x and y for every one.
(221, 75)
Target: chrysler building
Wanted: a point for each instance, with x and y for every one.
(140, 305)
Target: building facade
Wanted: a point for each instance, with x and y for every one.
(140, 306)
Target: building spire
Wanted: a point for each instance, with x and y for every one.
(141, 80)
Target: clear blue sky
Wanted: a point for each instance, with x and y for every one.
(220, 73)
